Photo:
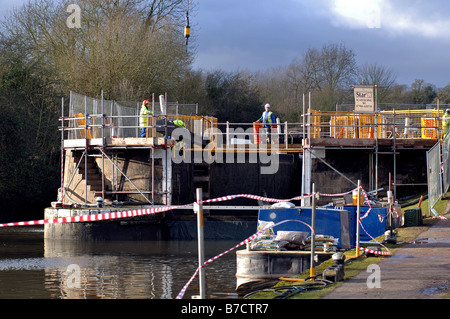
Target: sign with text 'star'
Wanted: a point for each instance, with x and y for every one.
(364, 99)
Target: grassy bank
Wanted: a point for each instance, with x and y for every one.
(354, 264)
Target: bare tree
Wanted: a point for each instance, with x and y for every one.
(125, 48)
(338, 66)
(328, 73)
(375, 74)
(443, 95)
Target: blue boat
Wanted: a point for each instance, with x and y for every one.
(339, 223)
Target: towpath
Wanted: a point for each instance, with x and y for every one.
(414, 271)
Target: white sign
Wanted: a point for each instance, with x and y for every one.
(364, 99)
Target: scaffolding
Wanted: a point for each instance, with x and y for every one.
(401, 124)
(95, 127)
(380, 132)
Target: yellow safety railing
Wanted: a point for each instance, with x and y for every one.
(408, 124)
(201, 125)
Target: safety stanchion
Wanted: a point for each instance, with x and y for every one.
(198, 208)
(312, 268)
(358, 218)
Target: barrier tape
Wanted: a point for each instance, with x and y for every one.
(380, 218)
(255, 197)
(393, 210)
(183, 290)
(147, 211)
(388, 251)
(439, 217)
(138, 212)
(375, 251)
(94, 217)
(336, 195)
(255, 235)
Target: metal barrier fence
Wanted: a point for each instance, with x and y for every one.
(445, 163)
(96, 118)
(406, 124)
(434, 177)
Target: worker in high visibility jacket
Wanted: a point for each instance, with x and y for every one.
(145, 114)
(445, 122)
(268, 120)
(179, 144)
(179, 123)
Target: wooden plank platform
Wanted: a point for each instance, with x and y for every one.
(120, 142)
(292, 148)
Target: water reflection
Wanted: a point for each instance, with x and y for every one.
(31, 267)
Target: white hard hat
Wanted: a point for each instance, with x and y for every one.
(447, 110)
(267, 105)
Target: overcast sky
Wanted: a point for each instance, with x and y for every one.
(410, 36)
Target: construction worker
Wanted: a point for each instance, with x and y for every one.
(144, 116)
(179, 123)
(445, 122)
(179, 144)
(268, 120)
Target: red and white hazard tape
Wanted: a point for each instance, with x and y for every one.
(94, 217)
(255, 197)
(392, 210)
(183, 290)
(375, 252)
(141, 212)
(149, 211)
(336, 195)
(388, 252)
(439, 217)
(137, 212)
(366, 198)
(269, 226)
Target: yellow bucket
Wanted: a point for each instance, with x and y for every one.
(355, 197)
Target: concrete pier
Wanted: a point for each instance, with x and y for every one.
(163, 226)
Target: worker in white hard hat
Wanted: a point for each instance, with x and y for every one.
(268, 120)
(445, 122)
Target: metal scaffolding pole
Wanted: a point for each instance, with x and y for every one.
(85, 150)
(103, 146)
(129, 180)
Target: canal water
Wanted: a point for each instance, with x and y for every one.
(31, 267)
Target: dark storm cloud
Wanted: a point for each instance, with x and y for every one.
(411, 37)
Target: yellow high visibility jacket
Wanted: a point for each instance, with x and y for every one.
(446, 121)
(179, 123)
(144, 116)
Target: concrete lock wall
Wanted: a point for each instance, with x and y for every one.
(239, 178)
(179, 179)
